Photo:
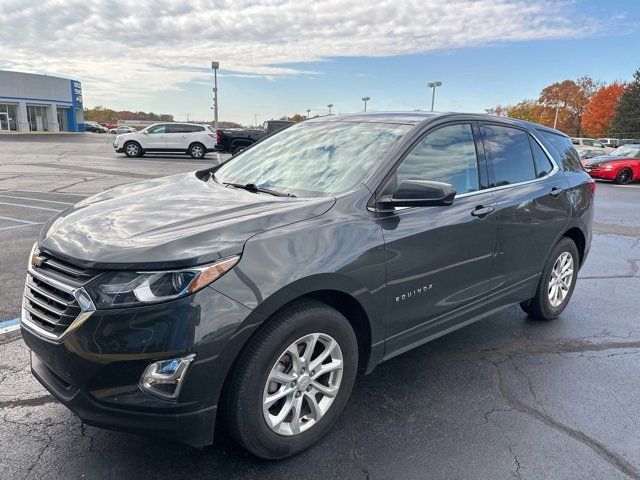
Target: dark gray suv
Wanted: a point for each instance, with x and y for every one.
(259, 288)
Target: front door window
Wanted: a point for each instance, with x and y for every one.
(4, 121)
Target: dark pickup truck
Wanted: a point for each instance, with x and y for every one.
(234, 141)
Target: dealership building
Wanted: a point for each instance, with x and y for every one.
(39, 103)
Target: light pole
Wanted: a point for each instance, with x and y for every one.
(308, 112)
(555, 119)
(433, 94)
(365, 100)
(215, 66)
(329, 106)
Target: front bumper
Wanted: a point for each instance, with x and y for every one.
(95, 370)
(601, 173)
(194, 428)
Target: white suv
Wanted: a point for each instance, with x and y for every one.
(189, 138)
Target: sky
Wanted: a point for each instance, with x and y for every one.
(280, 57)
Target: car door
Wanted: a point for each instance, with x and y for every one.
(155, 137)
(177, 136)
(439, 259)
(533, 208)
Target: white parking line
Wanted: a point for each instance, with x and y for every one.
(18, 220)
(47, 193)
(35, 199)
(628, 186)
(30, 206)
(21, 226)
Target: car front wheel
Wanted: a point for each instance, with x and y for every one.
(292, 381)
(623, 177)
(132, 149)
(556, 283)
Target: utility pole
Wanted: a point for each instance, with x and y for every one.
(255, 119)
(215, 66)
(308, 113)
(365, 100)
(433, 94)
(329, 106)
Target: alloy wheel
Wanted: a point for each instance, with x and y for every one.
(302, 384)
(132, 150)
(561, 278)
(196, 151)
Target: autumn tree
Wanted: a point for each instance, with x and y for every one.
(572, 97)
(626, 122)
(597, 117)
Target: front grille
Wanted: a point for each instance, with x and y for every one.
(50, 302)
(64, 272)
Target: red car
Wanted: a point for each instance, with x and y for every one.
(622, 165)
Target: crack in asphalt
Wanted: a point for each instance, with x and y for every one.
(516, 462)
(611, 457)
(95, 170)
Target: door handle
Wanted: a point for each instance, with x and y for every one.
(555, 191)
(481, 211)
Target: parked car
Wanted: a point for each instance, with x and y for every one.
(622, 165)
(188, 138)
(108, 125)
(93, 127)
(588, 143)
(586, 153)
(122, 129)
(610, 142)
(260, 287)
(626, 141)
(235, 141)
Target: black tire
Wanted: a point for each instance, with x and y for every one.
(132, 149)
(237, 149)
(197, 151)
(243, 397)
(623, 177)
(540, 306)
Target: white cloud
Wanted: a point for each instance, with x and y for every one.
(125, 48)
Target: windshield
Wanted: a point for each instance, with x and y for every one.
(629, 152)
(312, 158)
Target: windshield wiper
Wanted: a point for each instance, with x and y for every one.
(252, 187)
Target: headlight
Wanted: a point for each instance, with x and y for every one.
(608, 167)
(129, 289)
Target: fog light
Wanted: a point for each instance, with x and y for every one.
(165, 378)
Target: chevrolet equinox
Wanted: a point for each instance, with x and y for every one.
(259, 288)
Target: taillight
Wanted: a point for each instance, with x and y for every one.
(218, 136)
(592, 186)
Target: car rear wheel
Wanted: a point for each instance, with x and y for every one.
(132, 149)
(237, 149)
(556, 283)
(624, 176)
(197, 150)
(292, 381)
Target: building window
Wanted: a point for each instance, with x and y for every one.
(38, 121)
(8, 117)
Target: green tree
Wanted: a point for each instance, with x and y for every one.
(626, 122)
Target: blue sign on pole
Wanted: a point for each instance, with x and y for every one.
(76, 107)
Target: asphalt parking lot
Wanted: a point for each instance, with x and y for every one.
(507, 397)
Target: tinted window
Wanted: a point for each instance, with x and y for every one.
(509, 153)
(575, 141)
(542, 162)
(447, 155)
(176, 128)
(564, 146)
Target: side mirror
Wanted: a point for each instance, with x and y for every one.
(419, 193)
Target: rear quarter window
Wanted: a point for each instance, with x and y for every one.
(563, 150)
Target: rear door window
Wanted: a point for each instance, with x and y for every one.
(564, 147)
(509, 155)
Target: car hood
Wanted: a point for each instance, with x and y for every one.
(169, 222)
(602, 159)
